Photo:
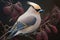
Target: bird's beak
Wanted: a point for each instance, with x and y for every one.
(41, 11)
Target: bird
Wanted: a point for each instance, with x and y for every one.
(27, 22)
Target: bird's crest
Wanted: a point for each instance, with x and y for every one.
(36, 6)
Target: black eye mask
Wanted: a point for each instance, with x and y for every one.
(39, 10)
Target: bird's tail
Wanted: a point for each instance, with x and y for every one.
(12, 34)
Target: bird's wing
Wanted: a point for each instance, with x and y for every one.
(28, 21)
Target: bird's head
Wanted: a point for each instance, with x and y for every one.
(35, 6)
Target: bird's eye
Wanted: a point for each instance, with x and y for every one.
(37, 9)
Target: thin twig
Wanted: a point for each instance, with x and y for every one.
(5, 33)
(44, 23)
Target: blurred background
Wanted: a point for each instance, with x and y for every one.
(49, 7)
